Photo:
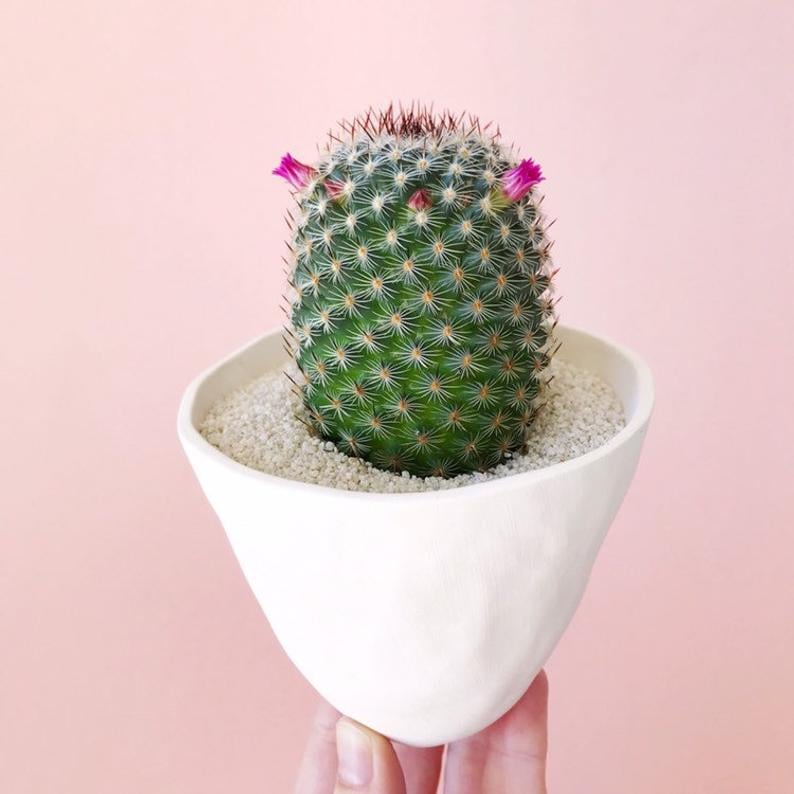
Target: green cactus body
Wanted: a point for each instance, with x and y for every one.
(421, 315)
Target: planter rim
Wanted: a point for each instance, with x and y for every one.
(192, 439)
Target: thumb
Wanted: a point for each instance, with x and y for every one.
(367, 763)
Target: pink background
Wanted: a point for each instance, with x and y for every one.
(140, 234)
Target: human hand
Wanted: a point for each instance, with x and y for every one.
(509, 757)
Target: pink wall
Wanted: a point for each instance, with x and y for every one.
(140, 232)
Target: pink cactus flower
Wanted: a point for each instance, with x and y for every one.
(298, 174)
(518, 181)
(420, 200)
(334, 187)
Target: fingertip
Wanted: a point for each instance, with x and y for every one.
(326, 717)
(537, 696)
(421, 766)
(532, 705)
(355, 754)
(318, 765)
(523, 730)
(366, 761)
(510, 755)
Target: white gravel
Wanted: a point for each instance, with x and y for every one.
(256, 426)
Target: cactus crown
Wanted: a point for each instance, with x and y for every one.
(420, 307)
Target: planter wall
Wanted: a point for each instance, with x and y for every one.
(424, 616)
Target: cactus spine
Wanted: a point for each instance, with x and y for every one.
(420, 311)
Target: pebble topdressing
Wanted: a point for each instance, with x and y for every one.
(257, 426)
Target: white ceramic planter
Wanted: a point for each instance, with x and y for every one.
(424, 616)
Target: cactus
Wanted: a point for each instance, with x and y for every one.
(420, 310)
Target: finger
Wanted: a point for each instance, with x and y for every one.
(367, 762)
(509, 757)
(421, 767)
(317, 771)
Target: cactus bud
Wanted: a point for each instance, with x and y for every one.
(518, 181)
(298, 174)
(334, 188)
(420, 200)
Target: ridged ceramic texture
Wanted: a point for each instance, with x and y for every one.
(421, 304)
(424, 616)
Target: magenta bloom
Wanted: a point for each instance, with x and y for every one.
(295, 172)
(518, 181)
(420, 200)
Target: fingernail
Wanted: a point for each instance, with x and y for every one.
(354, 751)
